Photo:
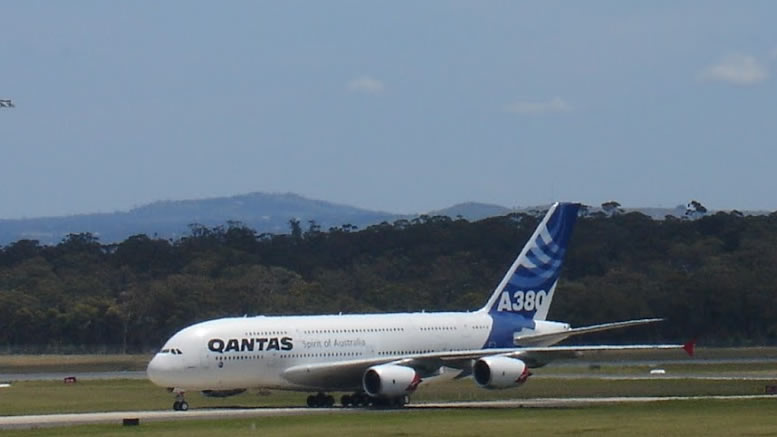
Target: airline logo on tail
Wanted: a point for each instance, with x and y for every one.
(528, 287)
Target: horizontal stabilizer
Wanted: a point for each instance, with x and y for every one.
(555, 337)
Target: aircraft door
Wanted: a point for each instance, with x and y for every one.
(205, 360)
(465, 337)
(211, 366)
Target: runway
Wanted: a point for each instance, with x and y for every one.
(53, 420)
(116, 417)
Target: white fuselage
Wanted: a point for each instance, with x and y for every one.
(253, 352)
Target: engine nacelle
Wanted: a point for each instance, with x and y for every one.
(390, 380)
(222, 393)
(500, 372)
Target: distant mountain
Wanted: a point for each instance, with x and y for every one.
(171, 219)
(656, 213)
(262, 212)
(472, 211)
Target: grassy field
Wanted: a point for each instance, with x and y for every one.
(666, 418)
(745, 417)
(72, 363)
(702, 353)
(30, 397)
(41, 397)
(689, 368)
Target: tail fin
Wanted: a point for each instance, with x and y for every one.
(527, 288)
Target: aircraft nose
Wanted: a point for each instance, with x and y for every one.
(161, 371)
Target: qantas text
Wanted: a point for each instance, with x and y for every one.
(250, 344)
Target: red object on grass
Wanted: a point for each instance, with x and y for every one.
(689, 347)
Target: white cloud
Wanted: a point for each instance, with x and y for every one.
(366, 85)
(737, 69)
(556, 104)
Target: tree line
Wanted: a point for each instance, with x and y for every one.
(712, 277)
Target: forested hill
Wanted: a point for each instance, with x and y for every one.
(714, 277)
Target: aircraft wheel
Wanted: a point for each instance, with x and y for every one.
(180, 404)
(346, 401)
(382, 402)
(312, 401)
(366, 401)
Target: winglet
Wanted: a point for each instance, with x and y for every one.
(690, 347)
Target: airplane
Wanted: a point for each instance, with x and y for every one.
(6, 103)
(383, 358)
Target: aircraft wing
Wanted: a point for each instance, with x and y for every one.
(327, 376)
(348, 374)
(555, 337)
(548, 353)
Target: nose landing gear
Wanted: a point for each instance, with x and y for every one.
(180, 404)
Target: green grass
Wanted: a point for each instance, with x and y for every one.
(703, 353)
(44, 397)
(661, 418)
(72, 363)
(666, 418)
(465, 390)
(689, 368)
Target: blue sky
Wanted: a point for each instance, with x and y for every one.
(397, 106)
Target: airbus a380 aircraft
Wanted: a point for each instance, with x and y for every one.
(383, 358)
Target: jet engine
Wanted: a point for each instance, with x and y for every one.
(500, 372)
(390, 380)
(222, 393)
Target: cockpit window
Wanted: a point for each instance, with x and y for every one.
(173, 351)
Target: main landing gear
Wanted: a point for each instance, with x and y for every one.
(356, 400)
(361, 400)
(321, 400)
(180, 404)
